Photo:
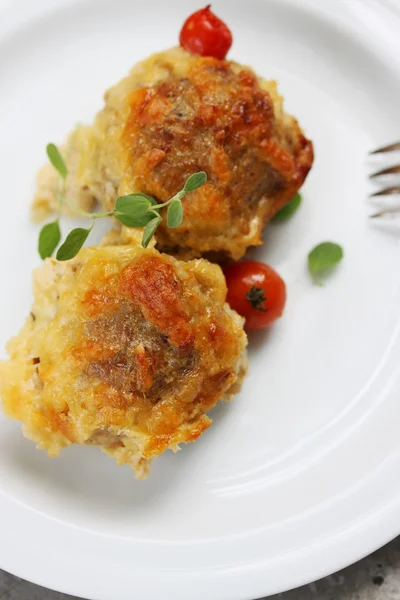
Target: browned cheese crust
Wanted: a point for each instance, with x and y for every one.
(221, 122)
(176, 114)
(125, 348)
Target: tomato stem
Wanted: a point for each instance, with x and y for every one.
(256, 298)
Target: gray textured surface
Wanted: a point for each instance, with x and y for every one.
(374, 578)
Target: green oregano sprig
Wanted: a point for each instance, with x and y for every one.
(133, 210)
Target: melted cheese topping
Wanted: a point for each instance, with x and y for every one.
(125, 348)
(177, 113)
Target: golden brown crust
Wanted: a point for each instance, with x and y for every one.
(217, 120)
(128, 349)
(177, 113)
(153, 285)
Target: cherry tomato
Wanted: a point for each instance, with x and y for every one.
(205, 34)
(256, 292)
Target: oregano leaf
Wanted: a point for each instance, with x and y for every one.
(150, 230)
(195, 181)
(73, 243)
(324, 255)
(136, 222)
(49, 239)
(174, 214)
(132, 204)
(132, 210)
(56, 159)
(288, 210)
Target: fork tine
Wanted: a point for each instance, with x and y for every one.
(388, 171)
(392, 213)
(387, 191)
(390, 148)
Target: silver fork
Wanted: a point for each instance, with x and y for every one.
(391, 210)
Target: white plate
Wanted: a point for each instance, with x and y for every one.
(299, 476)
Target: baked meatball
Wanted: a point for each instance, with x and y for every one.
(177, 113)
(125, 348)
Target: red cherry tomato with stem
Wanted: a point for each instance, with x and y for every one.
(205, 34)
(256, 292)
